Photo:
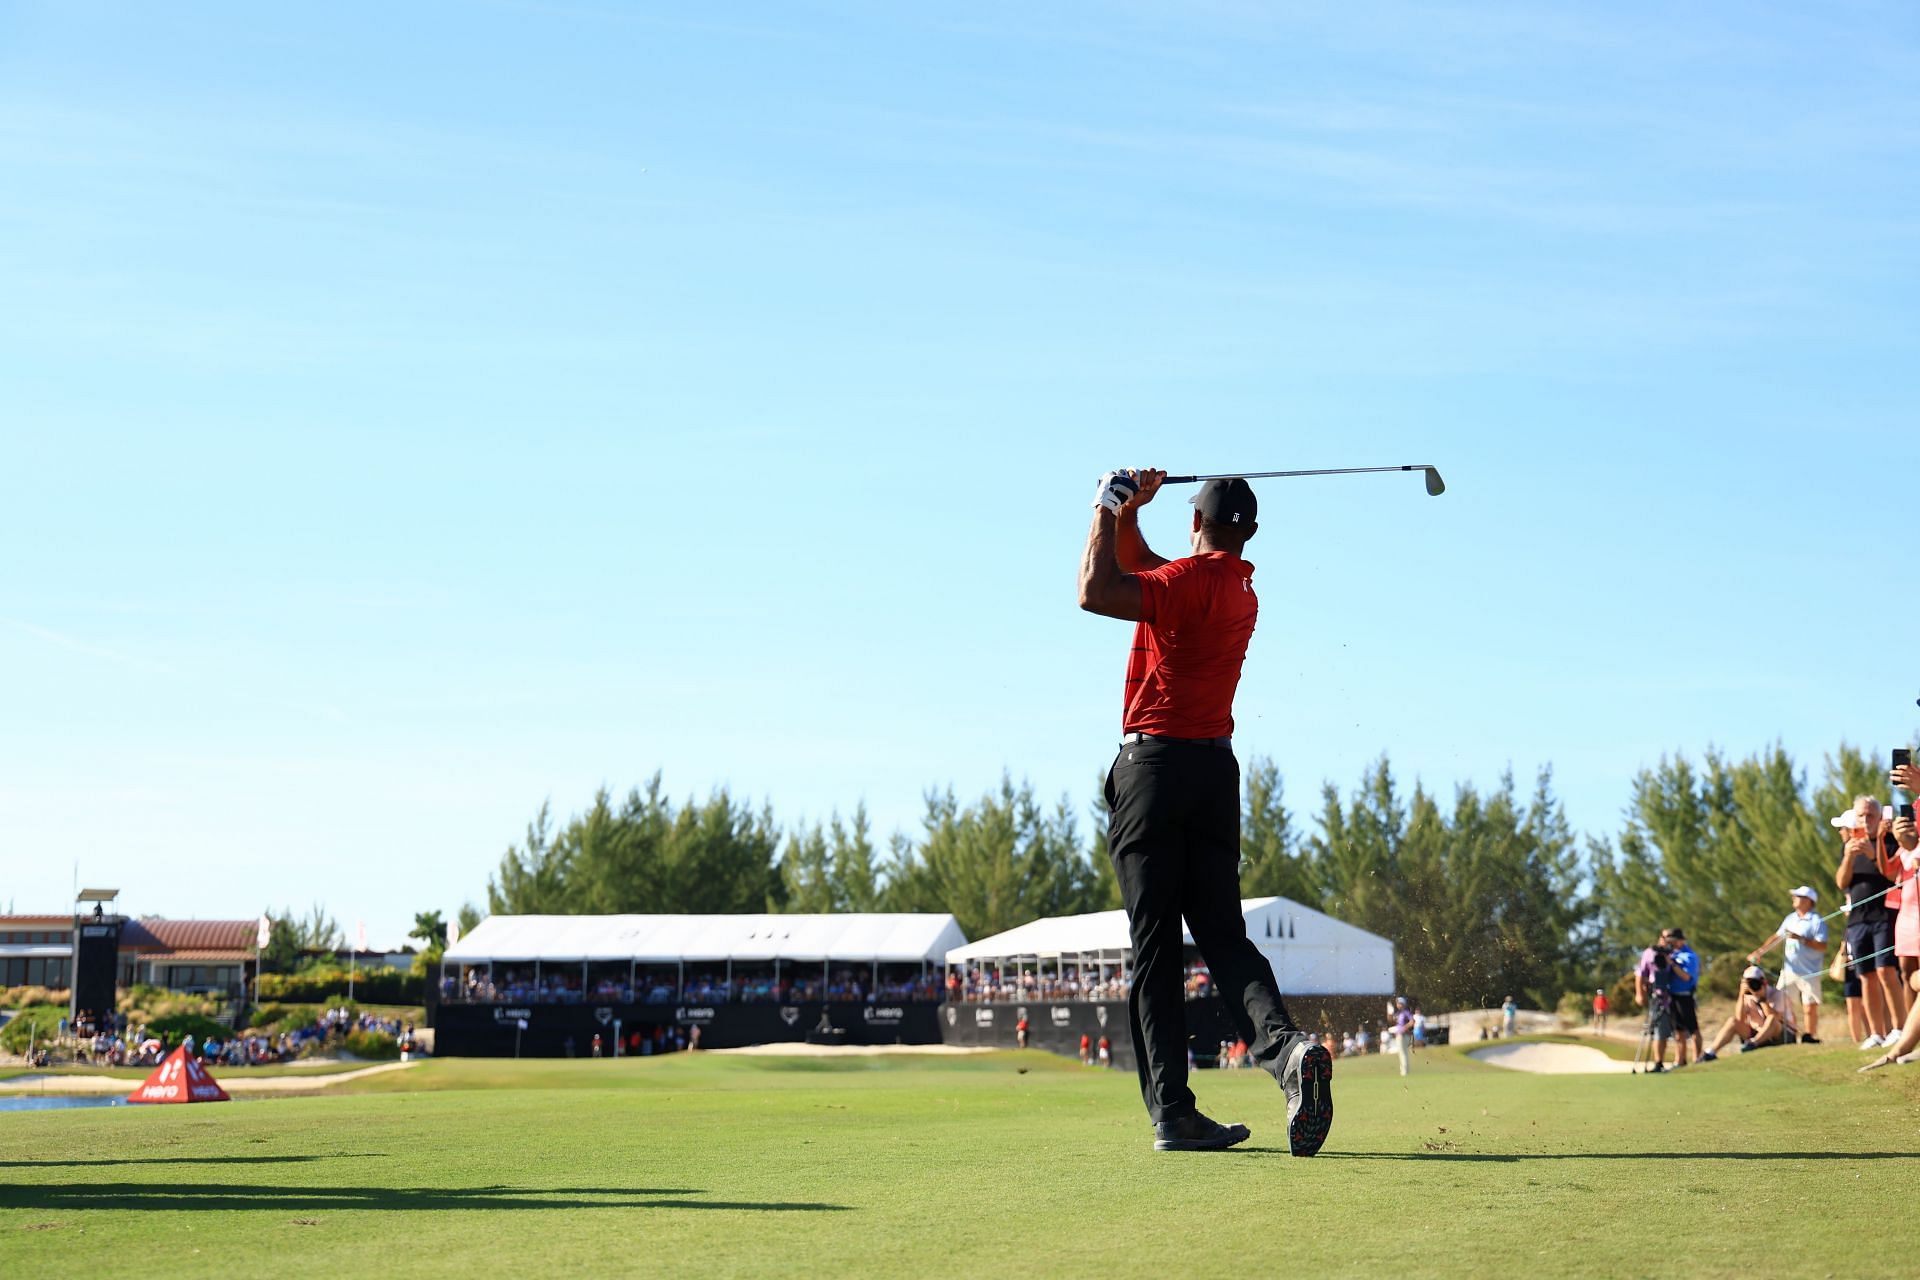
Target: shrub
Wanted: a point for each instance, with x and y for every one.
(372, 1044)
(328, 986)
(272, 1019)
(1573, 1008)
(27, 997)
(42, 1023)
(173, 1028)
(143, 1003)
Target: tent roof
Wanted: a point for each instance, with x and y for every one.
(1107, 931)
(904, 937)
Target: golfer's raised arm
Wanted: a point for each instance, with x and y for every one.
(1104, 589)
(1130, 545)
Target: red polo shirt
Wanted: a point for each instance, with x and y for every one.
(1196, 616)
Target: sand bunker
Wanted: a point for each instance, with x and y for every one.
(1551, 1059)
(232, 1084)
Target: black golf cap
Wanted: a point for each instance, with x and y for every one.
(1227, 502)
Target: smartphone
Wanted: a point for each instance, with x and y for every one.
(1901, 755)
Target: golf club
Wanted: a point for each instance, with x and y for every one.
(1435, 485)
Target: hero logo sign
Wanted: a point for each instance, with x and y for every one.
(702, 1014)
(886, 1013)
(983, 1017)
(603, 1016)
(1101, 1012)
(790, 1014)
(1061, 1015)
(953, 1015)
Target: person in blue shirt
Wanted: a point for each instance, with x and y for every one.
(1686, 984)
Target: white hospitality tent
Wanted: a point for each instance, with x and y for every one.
(1312, 953)
(792, 942)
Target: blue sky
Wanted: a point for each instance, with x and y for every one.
(412, 415)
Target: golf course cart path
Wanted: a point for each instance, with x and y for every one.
(232, 1084)
(1551, 1059)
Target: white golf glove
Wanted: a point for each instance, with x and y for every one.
(1114, 490)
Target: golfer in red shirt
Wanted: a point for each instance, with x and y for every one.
(1173, 794)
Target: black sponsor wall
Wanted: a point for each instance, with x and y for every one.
(487, 1030)
(1057, 1026)
(96, 966)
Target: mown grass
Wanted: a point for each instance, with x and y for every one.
(723, 1165)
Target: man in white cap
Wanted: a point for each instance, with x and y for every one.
(1806, 937)
(1763, 1016)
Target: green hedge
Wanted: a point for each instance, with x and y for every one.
(329, 986)
(372, 1044)
(41, 1022)
(176, 1027)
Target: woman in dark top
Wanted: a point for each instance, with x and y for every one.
(1869, 919)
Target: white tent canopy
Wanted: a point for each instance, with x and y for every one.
(1311, 952)
(897, 938)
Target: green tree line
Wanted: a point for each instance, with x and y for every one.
(1484, 893)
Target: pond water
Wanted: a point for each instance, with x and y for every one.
(55, 1102)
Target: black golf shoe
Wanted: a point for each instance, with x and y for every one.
(1197, 1133)
(1308, 1081)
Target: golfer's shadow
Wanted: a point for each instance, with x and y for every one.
(219, 1195)
(1517, 1158)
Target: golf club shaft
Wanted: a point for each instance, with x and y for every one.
(1278, 475)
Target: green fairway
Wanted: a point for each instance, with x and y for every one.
(1782, 1163)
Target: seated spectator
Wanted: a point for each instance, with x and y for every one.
(1806, 937)
(1762, 1016)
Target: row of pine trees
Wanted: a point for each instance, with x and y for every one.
(1484, 893)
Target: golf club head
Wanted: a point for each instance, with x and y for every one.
(1435, 485)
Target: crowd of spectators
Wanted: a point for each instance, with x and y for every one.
(706, 986)
(1874, 953)
(990, 986)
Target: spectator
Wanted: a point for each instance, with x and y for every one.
(1419, 1027)
(1862, 877)
(1086, 1049)
(1653, 991)
(1806, 937)
(1686, 981)
(1106, 1052)
(1906, 861)
(1841, 970)
(1600, 1010)
(1762, 1016)
(1403, 1033)
(1509, 1016)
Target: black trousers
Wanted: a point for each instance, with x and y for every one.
(1174, 836)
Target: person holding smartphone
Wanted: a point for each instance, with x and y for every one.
(1862, 877)
(1906, 861)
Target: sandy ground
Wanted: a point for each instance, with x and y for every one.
(1551, 1059)
(232, 1084)
(850, 1050)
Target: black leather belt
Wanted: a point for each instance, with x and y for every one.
(1223, 744)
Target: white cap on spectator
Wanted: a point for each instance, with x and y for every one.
(1805, 891)
(1849, 821)
(1754, 971)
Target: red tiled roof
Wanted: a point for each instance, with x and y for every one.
(36, 922)
(203, 957)
(230, 937)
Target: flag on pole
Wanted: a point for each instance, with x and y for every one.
(361, 935)
(453, 931)
(265, 932)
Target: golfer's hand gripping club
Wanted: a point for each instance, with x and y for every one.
(1115, 490)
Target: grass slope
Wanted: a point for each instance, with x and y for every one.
(762, 1166)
